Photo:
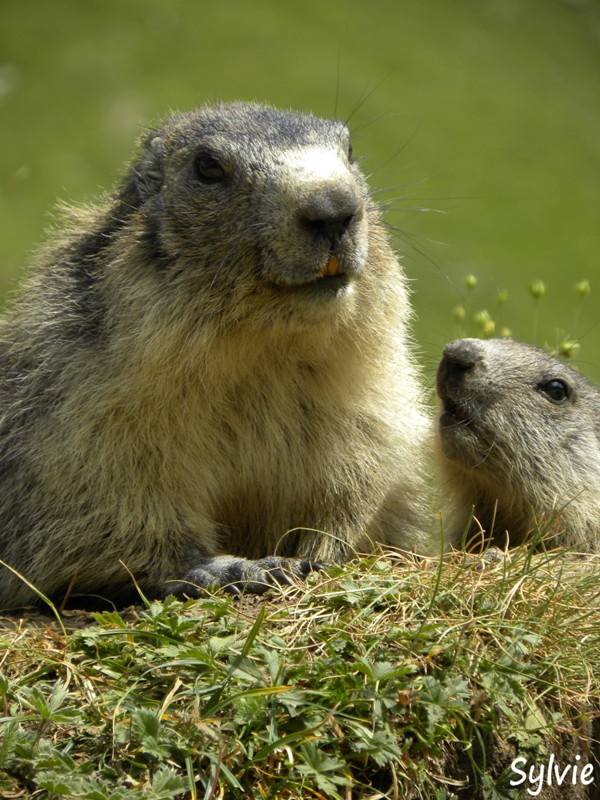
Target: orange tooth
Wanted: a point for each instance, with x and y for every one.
(331, 268)
(334, 266)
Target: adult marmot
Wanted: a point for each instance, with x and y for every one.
(520, 444)
(213, 357)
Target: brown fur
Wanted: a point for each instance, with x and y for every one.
(177, 386)
(517, 450)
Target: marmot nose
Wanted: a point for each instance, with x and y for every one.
(463, 354)
(329, 211)
(459, 358)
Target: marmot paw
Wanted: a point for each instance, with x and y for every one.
(237, 575)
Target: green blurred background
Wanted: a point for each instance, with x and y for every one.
(478, 119)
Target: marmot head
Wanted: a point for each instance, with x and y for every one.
(514, 415)
(245, 201)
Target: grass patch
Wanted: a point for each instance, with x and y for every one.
(379, 679)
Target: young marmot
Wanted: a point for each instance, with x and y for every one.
(208, 377)
(520, 445)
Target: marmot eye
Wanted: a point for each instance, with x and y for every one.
(208, 169)
(555, 390)
(350, 154)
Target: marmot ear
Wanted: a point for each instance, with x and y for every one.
(145, 177)
(149, 166)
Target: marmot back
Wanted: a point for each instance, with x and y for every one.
(208, 377)
(520, 444)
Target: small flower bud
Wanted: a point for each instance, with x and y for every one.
(568, 348)
(482, 318)
(537, 289)
(583, 288)
(459, 313)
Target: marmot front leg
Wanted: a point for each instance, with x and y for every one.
(235, 574)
